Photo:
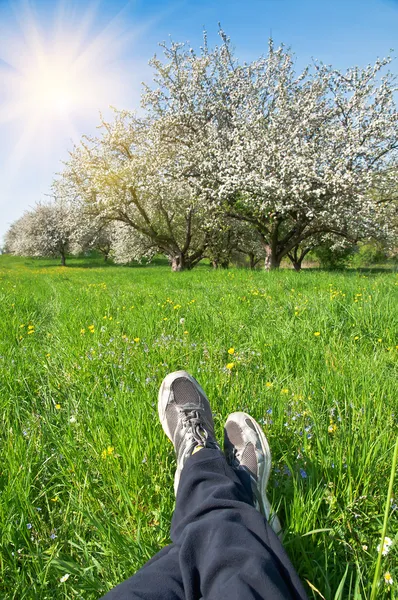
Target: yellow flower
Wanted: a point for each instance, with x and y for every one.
(107, 452)
(177, 306)
(91, 328)
(268, 384)
(230, 366)
(55, 499)
(231, 351)
(31, 331)
(104, 317)
(317, 333)
(21, 326)
(82, 331)
(185, 332)
(380, 340)
(284, 390)
(332, 428)
(356, 337)
(136, 339)
(388, 579)
(31, 326)
(58, 406)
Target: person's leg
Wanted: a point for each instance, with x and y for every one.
(222, 546)
(227, 548)
(159, 579)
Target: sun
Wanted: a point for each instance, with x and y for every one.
(56, 76)
(52, 90)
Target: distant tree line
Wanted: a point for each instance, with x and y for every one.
(227, 158)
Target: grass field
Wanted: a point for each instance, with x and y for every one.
(86, 472)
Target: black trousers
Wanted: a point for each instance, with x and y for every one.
(222, 548)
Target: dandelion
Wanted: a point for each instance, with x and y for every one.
(58, 406)
(55, 499)
(386, 546)
(231, 351)
(380, 340)
(388, 579)
(284, 390)
(185, 332)
(356, 337)
(64, 577)
(317, 333)
(91, 328)
(332, 428)
(82, 331)
(136, 339)
(182, 321)
(230, 366)
(177, 306)
(107, 452)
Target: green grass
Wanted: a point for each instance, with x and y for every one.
(327, 402)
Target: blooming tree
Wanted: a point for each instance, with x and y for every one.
(129, 174)
(293, 155)
(46, 230)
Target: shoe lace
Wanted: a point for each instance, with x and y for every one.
(192, 421)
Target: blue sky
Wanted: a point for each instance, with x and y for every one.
(35, 138)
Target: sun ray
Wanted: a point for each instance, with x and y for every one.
(57, 75)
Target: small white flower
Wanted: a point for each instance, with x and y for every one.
(182, 321)
(388, 579)
(386, 546)
(72, 419)
(64, 577)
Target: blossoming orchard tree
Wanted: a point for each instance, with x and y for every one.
(293, 155)
(46, 230)
(130, 174)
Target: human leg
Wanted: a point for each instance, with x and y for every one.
(227, 548)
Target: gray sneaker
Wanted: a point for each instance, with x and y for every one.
(186, 418)
(246, 447)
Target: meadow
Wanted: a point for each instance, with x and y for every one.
(86, 472)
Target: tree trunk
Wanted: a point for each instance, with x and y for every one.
(105, 257)
(178, 263)
(252, 261)
(63, 260)
(215, 264)
(272, 261)
(297, 265)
